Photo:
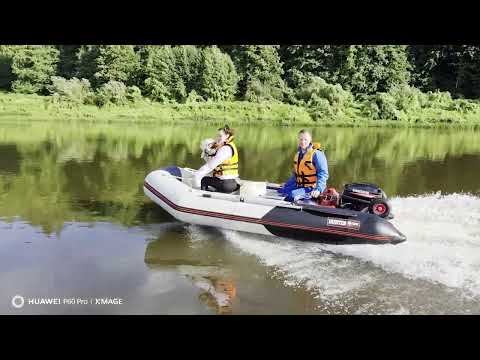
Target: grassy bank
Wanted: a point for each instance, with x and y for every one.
(14, 107)
(35, 107)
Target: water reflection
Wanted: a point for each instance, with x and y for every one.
(218, 293)
(9, 160)
(204, 266)
(51, 174)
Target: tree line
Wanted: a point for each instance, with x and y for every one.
(243, 72)
(374, 81)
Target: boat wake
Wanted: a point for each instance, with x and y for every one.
(441, 254)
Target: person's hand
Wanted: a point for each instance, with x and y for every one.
(315, 194)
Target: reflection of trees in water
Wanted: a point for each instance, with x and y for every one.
(75, 172)
(10, 159)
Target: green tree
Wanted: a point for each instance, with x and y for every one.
(116, 63)
(452, 68)
(468, 78)
(6, 58)
(86, 62)
(68, 61)
(260, 71)
(32, 67)
(218, 75)
(360, 69)
(306, 61)
(370, 69)
(188, 63)
(162, 80)
(435, 66)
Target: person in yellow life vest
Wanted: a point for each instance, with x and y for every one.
(222, 162)
(310, 170)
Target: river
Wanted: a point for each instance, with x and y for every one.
(76, 226)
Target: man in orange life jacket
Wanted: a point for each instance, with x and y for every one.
(310, 170)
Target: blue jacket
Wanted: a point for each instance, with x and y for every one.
(321, 165)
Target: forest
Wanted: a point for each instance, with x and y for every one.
(325, 84)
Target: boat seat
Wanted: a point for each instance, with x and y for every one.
(234, 192)
(253, 189)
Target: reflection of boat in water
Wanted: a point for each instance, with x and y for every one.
(257, 208)
(216, 284)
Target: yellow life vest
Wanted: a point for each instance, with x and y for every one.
(305, 171)
(230, 166)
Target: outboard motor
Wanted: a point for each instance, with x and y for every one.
(366, 197)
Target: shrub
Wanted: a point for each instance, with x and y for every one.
(370, 109)
(320, 107)
(258, 91)
(463, 106)
(316, 87)
(73, 90)
(134, 94)
(399, 103)
(386, 105)
(193, 97)
(438, 99)
(113, 92)
(321, 98)
(407, 98)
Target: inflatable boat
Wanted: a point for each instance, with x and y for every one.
(257, 207)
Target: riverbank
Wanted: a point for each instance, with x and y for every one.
(18, 107)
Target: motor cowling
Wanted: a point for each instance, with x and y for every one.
(365, 197)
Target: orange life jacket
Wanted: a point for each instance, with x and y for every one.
(305, 171)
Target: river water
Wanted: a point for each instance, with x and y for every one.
(76, 228)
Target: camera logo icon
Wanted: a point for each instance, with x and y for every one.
(18, 301)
